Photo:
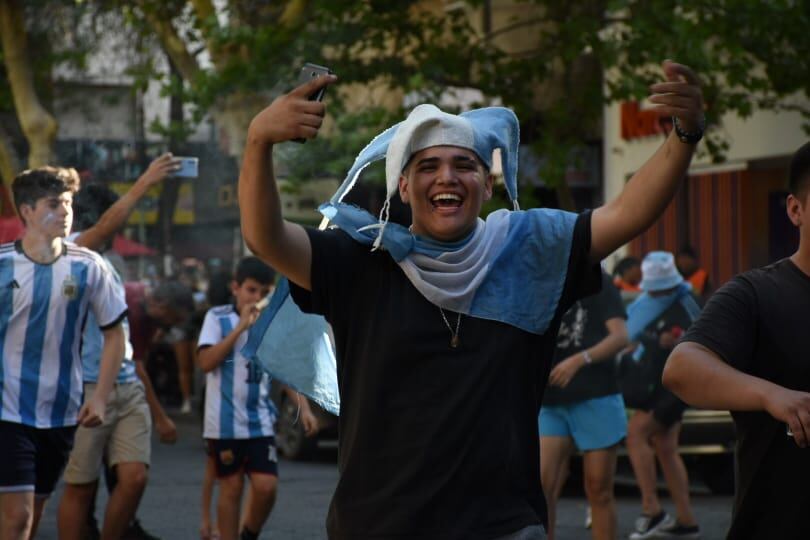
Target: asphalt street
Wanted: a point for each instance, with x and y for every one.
(171, 508)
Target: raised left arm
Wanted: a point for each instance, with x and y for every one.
(651, 188)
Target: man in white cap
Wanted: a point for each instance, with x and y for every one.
(444, 331)
(655, 321)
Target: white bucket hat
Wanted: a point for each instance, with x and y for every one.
(659, 272)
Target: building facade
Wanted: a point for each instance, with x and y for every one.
(731, 213)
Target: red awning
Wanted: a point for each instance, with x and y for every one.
(11, 228)
(130, 248)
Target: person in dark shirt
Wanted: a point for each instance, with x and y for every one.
(748, 353)
(439, 398)
(656, 320)
(582, 407)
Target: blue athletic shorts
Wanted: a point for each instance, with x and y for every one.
(592, 424)
(232, 456)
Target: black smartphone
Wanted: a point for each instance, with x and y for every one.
(311, 71)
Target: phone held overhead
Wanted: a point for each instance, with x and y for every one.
(188, 167)
(308, 72)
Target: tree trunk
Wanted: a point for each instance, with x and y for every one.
(38, 124)
(233, 118)
(171, 186)
(9, 167)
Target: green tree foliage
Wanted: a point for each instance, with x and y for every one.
(555, 62)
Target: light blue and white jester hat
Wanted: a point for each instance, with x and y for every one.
(479, 130)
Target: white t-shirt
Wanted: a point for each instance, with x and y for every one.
(42, 310)
(237, 395)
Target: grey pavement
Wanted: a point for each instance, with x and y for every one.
(171, 508)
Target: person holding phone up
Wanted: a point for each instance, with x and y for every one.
(445, 331)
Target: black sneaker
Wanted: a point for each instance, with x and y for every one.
(136, 532)
(676, 530)
(648, 526)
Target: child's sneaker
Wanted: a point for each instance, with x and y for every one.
(648, 526)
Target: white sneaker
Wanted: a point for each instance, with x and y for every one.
(588, 517)
(649, 526)
(185, 408)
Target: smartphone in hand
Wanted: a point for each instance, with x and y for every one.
(312, 71)
(188, 167)
(308, 72)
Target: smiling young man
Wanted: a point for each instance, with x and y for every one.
(445, 332)
(47, 287)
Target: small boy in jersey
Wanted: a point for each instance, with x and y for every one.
(47, 287)
(239, 415)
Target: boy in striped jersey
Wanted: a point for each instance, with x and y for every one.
(239, 415)
(47, 287)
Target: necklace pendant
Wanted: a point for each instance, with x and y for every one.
(455, 341)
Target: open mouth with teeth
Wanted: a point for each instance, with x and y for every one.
(446, 200)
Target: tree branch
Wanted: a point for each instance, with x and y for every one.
(37, 123)
(173, 44)
(510, 27)
(294, 13)
(207, 15)
(9, 166)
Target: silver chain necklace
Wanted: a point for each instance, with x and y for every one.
(454, 339)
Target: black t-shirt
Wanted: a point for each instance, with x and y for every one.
(758, 323)
(582, 327)
(435, 442)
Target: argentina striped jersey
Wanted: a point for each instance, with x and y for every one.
(42, 310)
(237, 394)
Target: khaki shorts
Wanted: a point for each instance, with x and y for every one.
(125, 434)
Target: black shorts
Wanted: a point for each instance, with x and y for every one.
(33, 459)
(665, 407)
(249, 455)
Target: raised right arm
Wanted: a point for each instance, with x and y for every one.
(281, 244)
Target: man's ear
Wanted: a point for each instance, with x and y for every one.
(795, 210)
(403, 188)
(25, 212)
(234, 287)
(488, 183)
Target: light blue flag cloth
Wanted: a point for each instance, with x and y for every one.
(294, 347)
(645, 309)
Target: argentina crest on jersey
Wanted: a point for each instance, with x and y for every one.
(70, 287)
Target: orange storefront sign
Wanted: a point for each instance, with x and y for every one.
(637, 123)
